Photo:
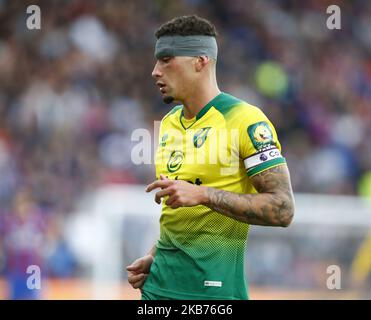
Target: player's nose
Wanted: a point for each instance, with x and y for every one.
(156, 71)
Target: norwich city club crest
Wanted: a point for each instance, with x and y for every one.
(260, 134)
(200, 137)
(175, 161)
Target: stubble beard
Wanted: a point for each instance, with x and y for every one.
(168, 99)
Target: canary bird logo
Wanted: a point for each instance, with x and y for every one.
(200, 137)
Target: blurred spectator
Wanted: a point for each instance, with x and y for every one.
(23, 229)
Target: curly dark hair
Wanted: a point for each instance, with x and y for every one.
(187, 26)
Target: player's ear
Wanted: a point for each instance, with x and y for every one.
(201, 62)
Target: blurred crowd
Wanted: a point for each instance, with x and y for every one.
(72, 93)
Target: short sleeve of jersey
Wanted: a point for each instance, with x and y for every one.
(258, 142)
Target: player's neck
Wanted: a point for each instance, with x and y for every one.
(198, 99)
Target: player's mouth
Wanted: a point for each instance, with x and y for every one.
(161, 85)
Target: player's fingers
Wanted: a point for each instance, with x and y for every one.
(174, 202)
(171, 200)
(132, 268)
(158, 184)
(176, 205)
(136, 266)
(163, 193)
(140, 283)
(163, 177)
(134, 278)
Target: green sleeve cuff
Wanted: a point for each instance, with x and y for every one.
(265, 166)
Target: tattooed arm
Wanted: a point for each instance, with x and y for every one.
(273, 205)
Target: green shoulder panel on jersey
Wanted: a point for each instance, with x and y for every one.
(223, 102)
(172, 111)
(241, 112)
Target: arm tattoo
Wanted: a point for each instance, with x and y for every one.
(273, 205)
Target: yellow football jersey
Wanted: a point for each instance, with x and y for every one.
(200, 253)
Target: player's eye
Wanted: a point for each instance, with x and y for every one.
(165, 59)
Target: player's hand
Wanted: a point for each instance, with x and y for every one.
(138, 271)
(181, 193)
